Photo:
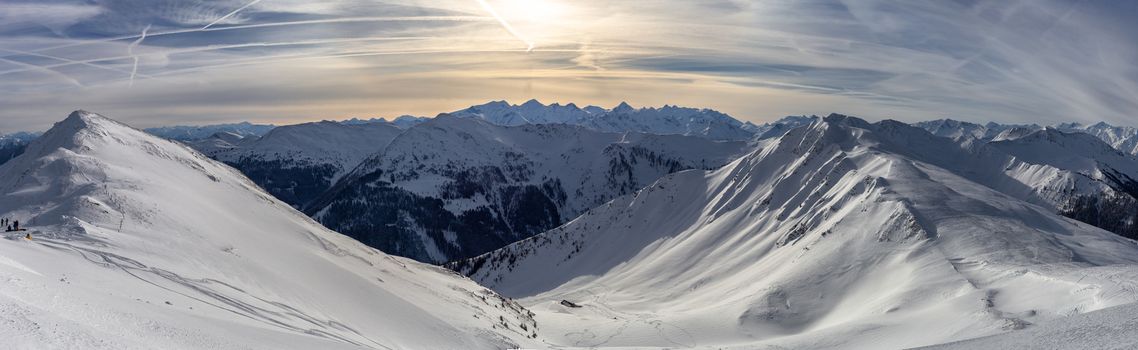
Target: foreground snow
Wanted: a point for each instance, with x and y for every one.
(831, 236)
(139, 242)
(1112, 328)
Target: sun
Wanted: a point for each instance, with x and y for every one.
(531, 21)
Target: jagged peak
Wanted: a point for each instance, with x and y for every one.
(623, 107)
(532, 103)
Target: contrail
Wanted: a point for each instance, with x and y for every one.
(279, 24)
(69, 62)
(91, 62)
(130, 51)
(230, 14)
(509, 28)
(45, 70)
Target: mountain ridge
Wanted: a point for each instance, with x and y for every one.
(821, 238)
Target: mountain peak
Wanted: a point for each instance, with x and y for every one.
(80, 115)
(533, 103)
(623, 107)
(78, 128)
(80, 119)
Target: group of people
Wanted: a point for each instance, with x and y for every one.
(12, 225)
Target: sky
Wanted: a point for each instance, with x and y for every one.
(165, 62)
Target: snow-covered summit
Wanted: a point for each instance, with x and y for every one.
(140, 242)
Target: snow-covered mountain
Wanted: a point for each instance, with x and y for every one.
(1081, 176)
(841, 234)
(457, 187)
(296, 163)
(668, 120)
(1123, 138)
(140, 243)
(192, 133)
(1074, 173)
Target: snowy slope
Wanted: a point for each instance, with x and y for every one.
(668, 120)
(457, 187)
(142, 243)
(296, 163)
(834, 235)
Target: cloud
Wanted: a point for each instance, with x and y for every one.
(1014, 61)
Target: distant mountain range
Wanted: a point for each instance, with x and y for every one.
(668, 120)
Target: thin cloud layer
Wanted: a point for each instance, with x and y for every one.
(289, 60)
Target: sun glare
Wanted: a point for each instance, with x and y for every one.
(534, 11)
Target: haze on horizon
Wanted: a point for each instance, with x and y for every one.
(162, 62)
